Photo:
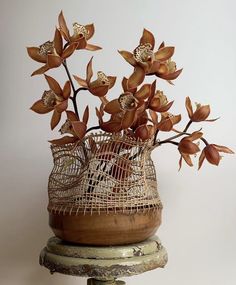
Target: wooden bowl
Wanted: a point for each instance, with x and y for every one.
(105, 229)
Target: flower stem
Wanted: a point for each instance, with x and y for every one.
(73, 88)
(93, 128)
(176, 136)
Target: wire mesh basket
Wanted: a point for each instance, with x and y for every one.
(103, 173)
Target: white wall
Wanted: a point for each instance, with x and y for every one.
(199, 218)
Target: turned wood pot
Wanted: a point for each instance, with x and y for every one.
(105, 228)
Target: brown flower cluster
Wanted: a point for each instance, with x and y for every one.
(140, 111)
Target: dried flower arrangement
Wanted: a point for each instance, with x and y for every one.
(118, 162)
(140, 111)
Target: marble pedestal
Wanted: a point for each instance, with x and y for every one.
(103, 264)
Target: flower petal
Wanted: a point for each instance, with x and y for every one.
(72, 116)
(53, 61)
(136, 78)
(188, 147)
(63, 27)
(111, 126)
(64, 140)
(69, 50)
(155, 67)
(201, 159)
(144, 92)
(212, 154)
(224, 149)
(112, 80)
(201, 114)
(153, 116)
(128, 119)
(66, 90)
(33, 52)
(41, 70)
(86, 115)
(79, 129)
(91, 47)
(53, 84)
(90, 29)
(99, 91)
(188, 105)
(180, 162)
(61, 107)
(161, 45)
(128, 56)
(40, 108)
(58, 42)
(165, 125)
(176, 119)
(112, 107)
(166, 107)
(89, 70)
(147, 37)
(171, 76)
(187, 159)
(142, 132)
(80, 81)
(164, 53)
(56, 117)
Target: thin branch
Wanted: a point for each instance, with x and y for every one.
(172, 142)
(69, 76)
(176, 136)
(93, 128)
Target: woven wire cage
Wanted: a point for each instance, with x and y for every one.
(104, 172)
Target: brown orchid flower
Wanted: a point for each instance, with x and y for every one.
(98, 87)
(167, 122)
(200, 114)
(147, 62)
(127, 109)
(81, 34)
(187, 147)
(51, 53)
(55, 99)
(211, 153)
(74, 127)
(159, 102)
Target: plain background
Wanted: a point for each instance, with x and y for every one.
(199, 217)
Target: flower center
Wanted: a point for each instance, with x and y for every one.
(46, 48)
(127, 101)
(80, 30)
(163, 100)
(102, 78)
(49, 98)
(143, 53)
(171, 66)
(66, 127)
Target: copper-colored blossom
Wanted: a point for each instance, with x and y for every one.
(212, 154)
(187, 147)
(74, 127)
(147, 62)
(51, 53)
(98, 87)
(81, 34)
(167, 122)
(159, 102)
(201, 113)
(55, 99)
(139, 111)
(127, 108)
